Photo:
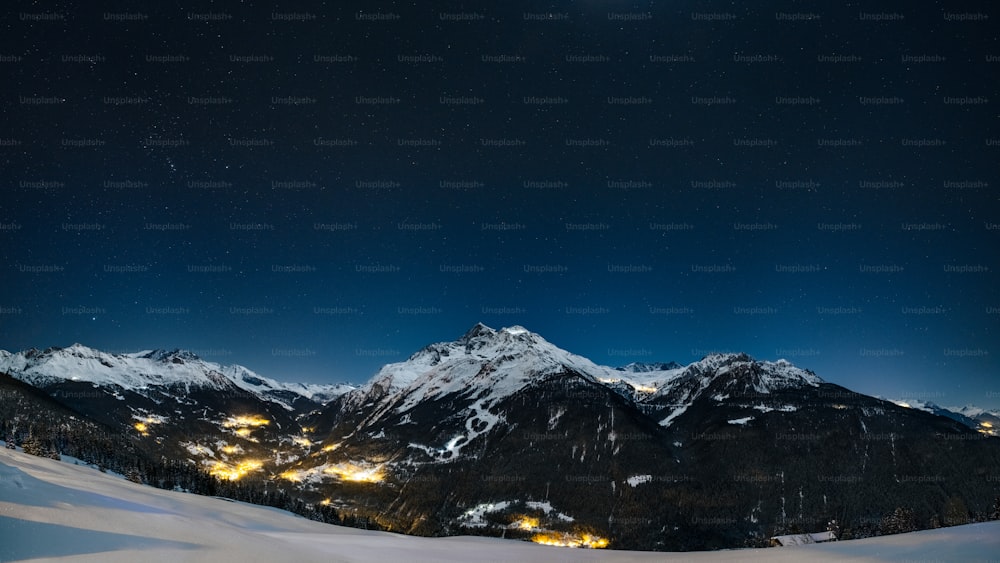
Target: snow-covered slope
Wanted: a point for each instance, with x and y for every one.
(646, 367)
(972, 411)
(979, 419)
(153, 368)
(51, 511)
(484, 364)
(487, 365)
(723, 376)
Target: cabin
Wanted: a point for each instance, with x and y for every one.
(803, 539)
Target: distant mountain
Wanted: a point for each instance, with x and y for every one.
(646, 367)
(981, 420)
(987, 422)
(501, 432)
(142, 371)
(181, 406)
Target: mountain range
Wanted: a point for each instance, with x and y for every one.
(502, 433)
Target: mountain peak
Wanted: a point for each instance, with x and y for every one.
(77, 348)
(477, 331)
(481, 337)
(514, 330)
(176, 355)
(485, 363)
(647, 367)
(725, 358)
(143, 372)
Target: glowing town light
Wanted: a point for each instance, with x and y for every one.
(245, 421)
(230, 450)
(292, 475)
(230, 472)
(986, 425)
(143, 424)
(249, 465)
(526, 523)
(593, 542)
(644, 388)
(351, 472)
(301, 441)
(243, 432)
(325, 502)
(570, 540)
(330, 447)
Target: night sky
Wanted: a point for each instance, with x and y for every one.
(317, 189)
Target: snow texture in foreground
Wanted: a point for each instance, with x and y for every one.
(52, 510)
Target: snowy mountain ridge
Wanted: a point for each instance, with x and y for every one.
(646, 367)
(504, 360)
(139, 371)
(488, 365)
(484, 363)
(505, 417)
(984, 421)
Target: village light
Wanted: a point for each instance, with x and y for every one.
(558, 539)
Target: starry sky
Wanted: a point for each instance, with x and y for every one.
(315, 189)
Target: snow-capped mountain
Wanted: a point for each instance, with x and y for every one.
(500, 421)
(725, 376)
(972, 411)
(502, 432)
(986, 421)
(140, 371)
(227, 420)
(979, 419)
(484, 365)
(645, 367)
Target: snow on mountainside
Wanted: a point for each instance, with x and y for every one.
(979, 419)
(645, 367)
(152, 368)
(761, 377)
(725, 375)
(480, 370)
(984, 421)
(974, 412)
(932, 408)
(485, 364)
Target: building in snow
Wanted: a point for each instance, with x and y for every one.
(803, 539)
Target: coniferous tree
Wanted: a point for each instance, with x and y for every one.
(32, 446)
(955, 512)
(902, 520)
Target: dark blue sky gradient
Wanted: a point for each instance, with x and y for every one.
(874, 265)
